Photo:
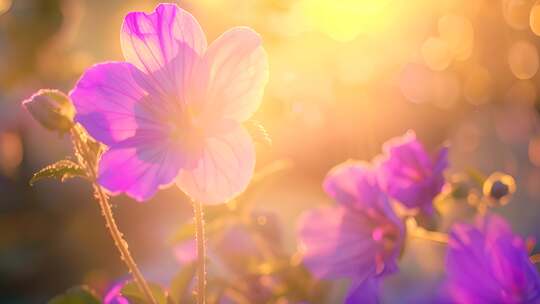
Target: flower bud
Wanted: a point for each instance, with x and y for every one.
(499, 186)
(52, 109)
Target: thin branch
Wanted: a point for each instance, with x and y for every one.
(434, 236)
(84, 156)
(201, 252)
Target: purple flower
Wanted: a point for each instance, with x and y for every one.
(487, 263)
(233, 247)
(360, 239)
(173, 111)
(409, 174)
(114, 296)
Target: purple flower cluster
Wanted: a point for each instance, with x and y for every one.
(362, 237)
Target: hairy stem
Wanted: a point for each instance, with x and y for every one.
(85, 157)
(201, 252)
(121, 244)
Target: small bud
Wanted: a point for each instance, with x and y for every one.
(52, 109)
(498, 187)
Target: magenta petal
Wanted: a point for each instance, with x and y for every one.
(114, 295)
(487, 263)
(337, 243)
(224, 169)
(106, 99)
(365, 292)
(165, 44)
(410, 175)
(139, 171)
(238, 73)
(354, 184)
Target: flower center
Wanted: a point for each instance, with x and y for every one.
(387, 237)
(186, 130)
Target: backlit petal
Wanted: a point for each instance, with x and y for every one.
(107, 100)
(238, 73)
(139, 171)
(224, 169)
(353, 184)
(165, 45)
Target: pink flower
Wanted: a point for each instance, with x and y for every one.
(359, 239)
(488, 263)
(173, 111)
(409, 174)
(114, 295)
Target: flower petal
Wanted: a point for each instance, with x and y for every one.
(409, 174)
(106, 99)
(366, 292)
(337, 243)
(354, 184)
(238, 73)
(166, 45)
(224, 169)
(139, 171)
(489, 262)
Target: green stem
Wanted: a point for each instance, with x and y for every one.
(201, 252)
(86, 159)
(121, 244)
(434, 236)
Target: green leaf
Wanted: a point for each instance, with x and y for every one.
(77, 295)
(135, 296)
(180, 283)
(258, 132)
(61, 170)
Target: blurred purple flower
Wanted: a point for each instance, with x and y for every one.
(487, 263)
(234, 248)
(409, 174)
(186, 252)
(174, 110)
(360, 239)
(113, 295)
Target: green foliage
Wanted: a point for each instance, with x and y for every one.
(76, 295)
(179, 289)
(61, 170)
(135, 296)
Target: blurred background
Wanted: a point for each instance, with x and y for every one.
(345, 76)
